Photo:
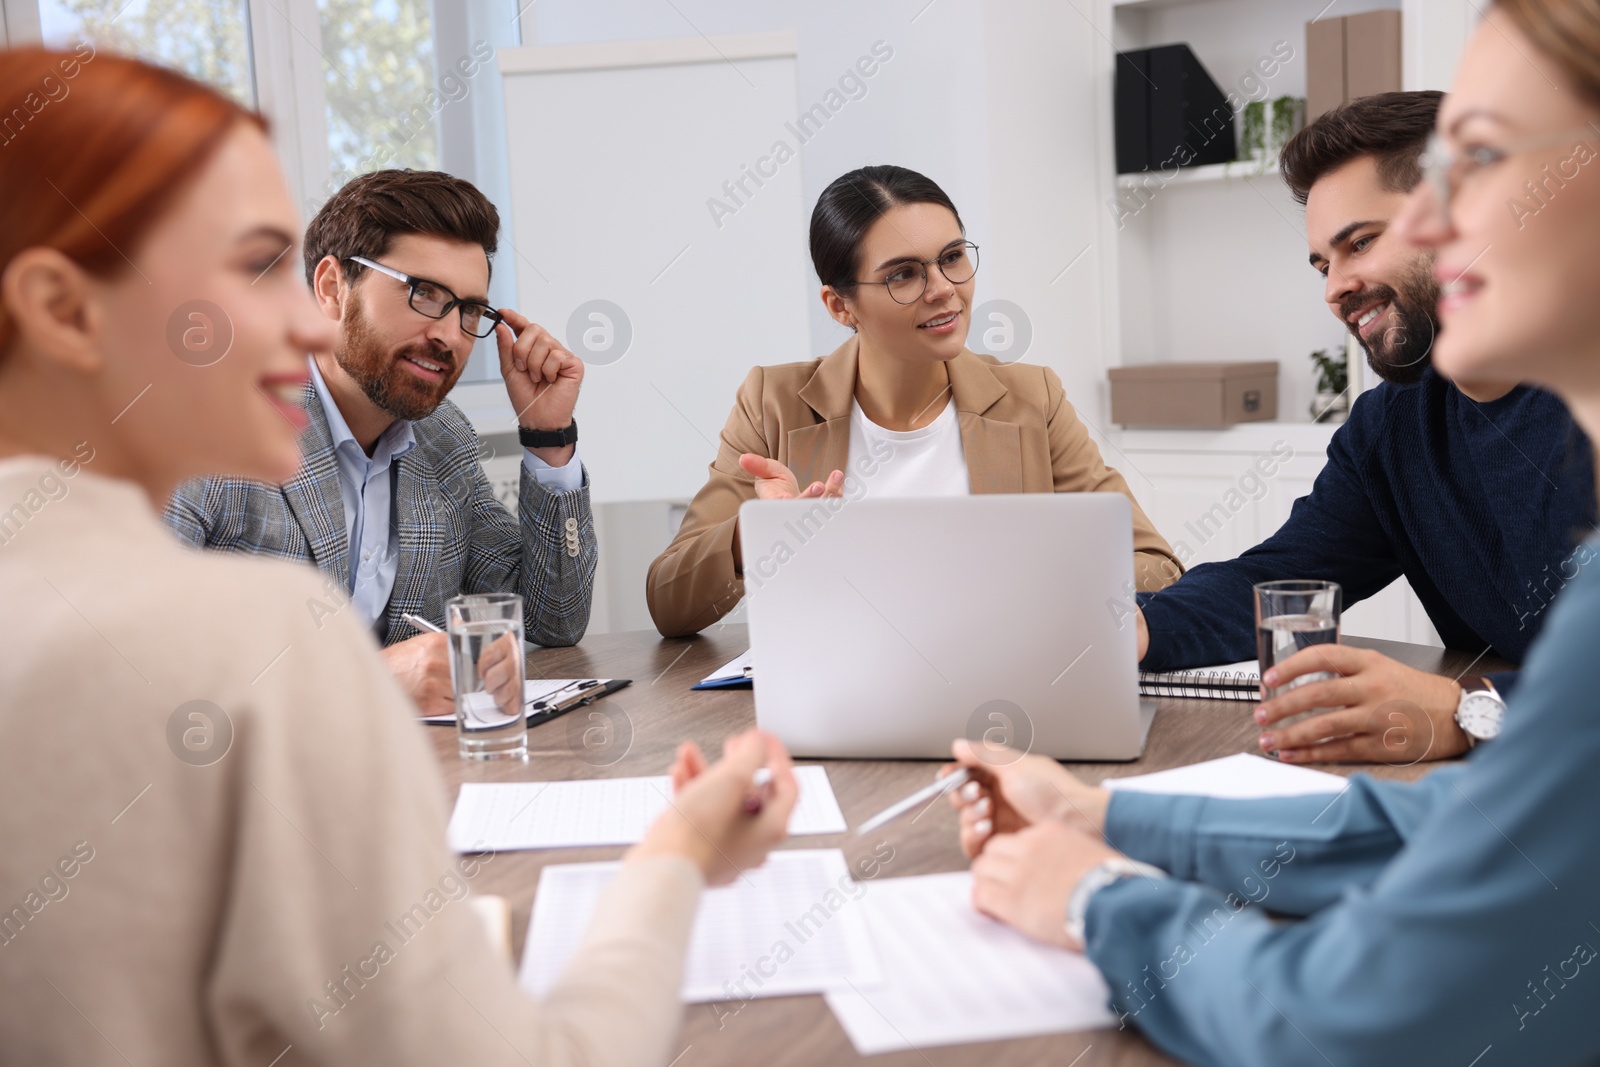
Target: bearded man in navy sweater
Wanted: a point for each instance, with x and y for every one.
(1479, 494)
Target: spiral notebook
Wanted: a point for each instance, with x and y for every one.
(1230, 681)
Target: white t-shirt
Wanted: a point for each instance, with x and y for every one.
(891, 463)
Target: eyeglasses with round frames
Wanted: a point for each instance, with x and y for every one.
(906, 282)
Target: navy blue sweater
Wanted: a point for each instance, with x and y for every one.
(1482, 507)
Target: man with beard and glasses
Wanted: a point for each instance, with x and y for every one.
(391, 502)
(1477, 493)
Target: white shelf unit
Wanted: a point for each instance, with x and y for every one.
(1210, 264)
(1211, 172)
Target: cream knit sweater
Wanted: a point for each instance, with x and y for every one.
(222, 831)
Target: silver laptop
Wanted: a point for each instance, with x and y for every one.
(888, 628)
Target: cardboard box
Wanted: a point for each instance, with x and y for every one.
(1194, 394)
(1351, 57)
(1371, 54)
(1324, 66)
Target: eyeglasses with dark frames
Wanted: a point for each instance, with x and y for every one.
(436, 301)
(907, 281)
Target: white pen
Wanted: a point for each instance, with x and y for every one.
(760, 779)
(420, 623)
(894, 811)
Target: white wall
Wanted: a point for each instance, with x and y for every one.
(668, 284)
(994, 101)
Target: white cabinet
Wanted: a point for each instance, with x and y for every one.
(1215, 493)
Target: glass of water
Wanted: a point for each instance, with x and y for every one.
(485, 631)
(1290, 616)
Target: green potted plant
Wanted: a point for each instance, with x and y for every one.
(1332, 402)
(1288, 115)
(1267, 126)
(1253, 136)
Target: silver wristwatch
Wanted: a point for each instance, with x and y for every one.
(1480, 712)
(1097, 878)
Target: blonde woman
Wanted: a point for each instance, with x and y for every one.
(1448, 921)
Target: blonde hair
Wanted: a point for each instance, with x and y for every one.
(1566, 31)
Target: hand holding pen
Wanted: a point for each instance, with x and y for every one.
(690, 763)
(726, 817)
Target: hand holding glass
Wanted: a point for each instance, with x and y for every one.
(1291, 616)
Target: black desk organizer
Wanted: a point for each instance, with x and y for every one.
(1169, 112)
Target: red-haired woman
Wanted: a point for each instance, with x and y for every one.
(216, 810)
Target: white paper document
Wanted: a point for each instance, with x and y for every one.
(953, 976)
(505, 816)
(794, 925)
(1239, 777)
(482, 712)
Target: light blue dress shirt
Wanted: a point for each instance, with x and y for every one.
(1454, 920)
(366, 489)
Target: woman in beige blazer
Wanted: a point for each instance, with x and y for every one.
(223, 829)
(925, 415)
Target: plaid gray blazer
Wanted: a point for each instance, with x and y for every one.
(454, 536)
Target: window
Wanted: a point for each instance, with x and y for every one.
(351, 86)
(206, 39)
(380, 84)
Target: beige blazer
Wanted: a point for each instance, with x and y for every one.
(1019, 434)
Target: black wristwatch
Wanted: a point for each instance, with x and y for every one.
(548, 438)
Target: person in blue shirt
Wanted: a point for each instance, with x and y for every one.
(1454, 920)
(1477, 492)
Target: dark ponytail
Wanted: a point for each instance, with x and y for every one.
(847, 209)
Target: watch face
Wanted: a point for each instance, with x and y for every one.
(1480, 715)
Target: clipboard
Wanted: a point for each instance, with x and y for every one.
(556, 703)
(736, 674)
(578, 695)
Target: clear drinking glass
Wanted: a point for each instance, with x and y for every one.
(1290, 616)
(486, 670)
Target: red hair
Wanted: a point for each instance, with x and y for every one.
(93, 148)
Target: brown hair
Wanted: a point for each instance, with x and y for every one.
(1568, 32)
(363, 217)
(1393, 128)
(94, 147)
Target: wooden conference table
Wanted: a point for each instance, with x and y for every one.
(636, 731)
